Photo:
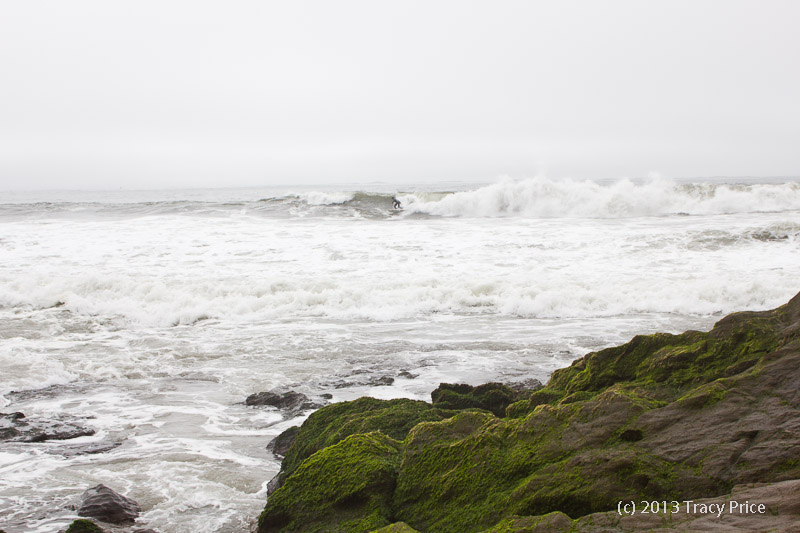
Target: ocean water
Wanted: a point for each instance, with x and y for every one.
(150, 316)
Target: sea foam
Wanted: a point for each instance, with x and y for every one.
(543, 197)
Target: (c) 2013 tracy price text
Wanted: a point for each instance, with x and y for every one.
(689, 507)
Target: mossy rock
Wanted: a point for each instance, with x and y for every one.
(544, 396)
(84, 526)
(467, 473)
(398, 527)
(346, 487)
(493, 397)
(705, 395)
(671, 365)
(335, 422)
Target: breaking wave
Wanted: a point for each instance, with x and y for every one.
(546, 198)
(528, 198)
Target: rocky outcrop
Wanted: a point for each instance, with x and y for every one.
(663, 417)
(18, 427)
(104, 504)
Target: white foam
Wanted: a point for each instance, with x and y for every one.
(381, 271)
(325, 198)
(547, 198)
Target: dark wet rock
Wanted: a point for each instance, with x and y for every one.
(18, 427)
(525, 385)
(84, 526)
(281, 444)
(291, 402)
(662, 417)
(104, 504)
(408, 375)
(275, 483)
(9, 425)
(326, 396)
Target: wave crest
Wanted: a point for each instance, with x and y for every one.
(546, 198)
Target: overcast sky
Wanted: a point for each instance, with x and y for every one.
(188, 93)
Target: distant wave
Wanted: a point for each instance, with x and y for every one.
(546, 198)
(531, 198)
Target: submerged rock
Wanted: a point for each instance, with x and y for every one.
(91, 448)
(382, 381)
(104, 504)
(662, 417)
(18, 427)
(371, 381)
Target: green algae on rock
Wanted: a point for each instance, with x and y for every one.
(494, 397)
(344, 487)
(338, 421)
(398, 527)
(662, 417)
(84, 526)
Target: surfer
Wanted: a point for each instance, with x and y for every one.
(396, 203)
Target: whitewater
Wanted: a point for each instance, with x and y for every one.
(150, 316)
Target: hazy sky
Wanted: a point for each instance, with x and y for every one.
(188, 93)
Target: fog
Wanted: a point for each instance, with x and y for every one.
(108, 95)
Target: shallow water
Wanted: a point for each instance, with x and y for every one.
(153, 315)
